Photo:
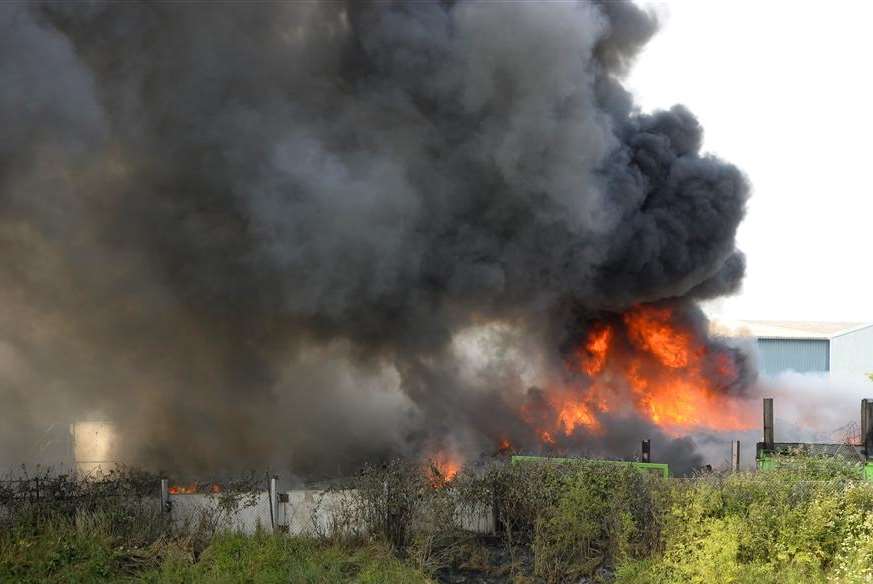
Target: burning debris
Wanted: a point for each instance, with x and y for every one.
(258, 235)
(195, 488)
(444, 467)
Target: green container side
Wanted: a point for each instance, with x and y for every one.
(661, 468)
(765, 463)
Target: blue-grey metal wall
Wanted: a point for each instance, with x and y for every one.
(801, 355)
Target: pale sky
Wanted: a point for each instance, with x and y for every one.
(783, 90)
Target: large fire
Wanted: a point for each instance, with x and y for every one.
(648, 363)
(644, 363)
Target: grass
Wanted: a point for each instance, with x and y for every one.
(70, 552)
(271, 559)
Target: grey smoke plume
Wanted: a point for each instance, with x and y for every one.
(252, 233)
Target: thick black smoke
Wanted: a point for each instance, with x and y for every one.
(237, 229)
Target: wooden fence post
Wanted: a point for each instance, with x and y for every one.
(735, 456)
(769, 433)
(166, 505)
(867, 427)
(274, 502)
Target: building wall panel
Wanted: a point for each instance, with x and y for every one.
(852, 353)
(800, 355)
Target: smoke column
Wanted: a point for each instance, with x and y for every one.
(274, 233)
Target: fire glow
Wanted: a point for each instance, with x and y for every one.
(444, 467)
(194, 488)
(648, 364)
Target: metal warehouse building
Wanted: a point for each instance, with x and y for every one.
(819, 347)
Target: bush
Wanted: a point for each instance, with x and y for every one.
(806, 520)
(388, 499)
(605, 514)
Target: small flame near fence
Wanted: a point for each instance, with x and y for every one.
(194, 488)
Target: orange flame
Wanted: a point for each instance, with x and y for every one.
(444, 467)
(661, 369)
(192, 489)
(568, 411)
(682, 394)
(593, 356)
(651, 329)
(577, 413)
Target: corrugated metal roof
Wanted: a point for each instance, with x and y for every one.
(786, 329)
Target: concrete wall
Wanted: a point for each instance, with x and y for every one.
(306, 512)
(477, 519)
(246, 518)
(318, 513)
(314, 512)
